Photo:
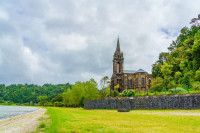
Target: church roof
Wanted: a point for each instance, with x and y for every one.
(132, 71)
(141, 70)
(129, 71)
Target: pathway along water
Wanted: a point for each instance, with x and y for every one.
(12, 111)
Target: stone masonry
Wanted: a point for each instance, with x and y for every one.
(181, 101)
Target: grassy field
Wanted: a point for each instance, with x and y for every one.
(76, 120)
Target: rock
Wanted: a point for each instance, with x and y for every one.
(123, 110)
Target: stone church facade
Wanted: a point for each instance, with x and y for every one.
(127, 79)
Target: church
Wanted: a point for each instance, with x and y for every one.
(127, 79)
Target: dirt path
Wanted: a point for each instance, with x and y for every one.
(23, 123)
(178, 113)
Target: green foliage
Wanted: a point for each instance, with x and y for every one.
(166, 70)
(31, 94)
(58, 104)
(158, 84)
(177, 90)
(80, 92)
(116, 86)
(171, 84)
(183, 57)
(186, 80)
(115, 93)
(51, 95)
(196, 87)
(42, 125)
(197, 75)
(105, 87)
(105, 82)
(177, 77)
(104, 92)
(127, 93)
(90, 90)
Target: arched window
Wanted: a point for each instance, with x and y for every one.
(137, 82)
(129, 83)
(143, 82)
(117, 67)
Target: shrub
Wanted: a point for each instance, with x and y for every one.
(115, 93)
(177, 90)
(177, 77)
(59, 104)
(127, 93)
(42, 125)
(196, 87)
(158, 84)
(186, 80)
(172, 84)
(197, 76)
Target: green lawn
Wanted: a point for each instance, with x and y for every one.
(75, 120)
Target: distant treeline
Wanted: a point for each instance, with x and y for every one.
(52, 95)
(30, 94)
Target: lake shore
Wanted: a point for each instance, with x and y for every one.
(23, 123)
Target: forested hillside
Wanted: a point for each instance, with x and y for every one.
(54, 95)
(30, 94)
(181, 65)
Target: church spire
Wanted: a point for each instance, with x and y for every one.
(118, 45)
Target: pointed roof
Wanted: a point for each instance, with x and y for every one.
(141, 70)
(118, 45)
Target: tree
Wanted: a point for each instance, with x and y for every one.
(42, 99)
(77, 93)
(105, 87)
(156, 70)
(195, 21)
(104, 92)
(166, 70)
(157, 84)
(173, 46)
(197, 75)
(90, 90)
(163, 56)
(183, 57)
(196, 51)
(104, 82)
(186, 80)
(177, 77)
(67, 97)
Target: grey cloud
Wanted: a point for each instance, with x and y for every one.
(39, 47)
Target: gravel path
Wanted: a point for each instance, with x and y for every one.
(178, 113)
(23, 123)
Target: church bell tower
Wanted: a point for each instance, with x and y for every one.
(118, 67)
(118, 60)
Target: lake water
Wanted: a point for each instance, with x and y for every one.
(11, 111)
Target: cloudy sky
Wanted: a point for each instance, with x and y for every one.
(48, 41)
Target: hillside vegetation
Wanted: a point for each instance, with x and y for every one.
(53, 95)
(181, 65)
(30, 94)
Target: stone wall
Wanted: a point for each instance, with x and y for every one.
(184, 101)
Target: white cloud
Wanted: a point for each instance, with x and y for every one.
(67, 41)
(73, 42)
(3, 15)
